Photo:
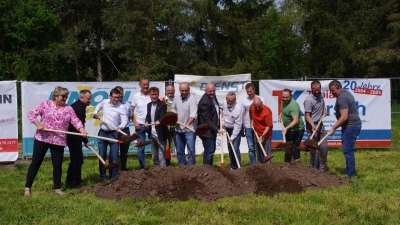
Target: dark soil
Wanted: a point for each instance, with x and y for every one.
(211, 182)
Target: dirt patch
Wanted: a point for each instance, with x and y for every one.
(211, 182)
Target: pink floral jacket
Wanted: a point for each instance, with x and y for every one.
(56, 119)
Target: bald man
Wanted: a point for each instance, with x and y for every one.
(208, 111)
(186, 108)
(261, 121)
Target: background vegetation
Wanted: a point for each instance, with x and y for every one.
(80, 40)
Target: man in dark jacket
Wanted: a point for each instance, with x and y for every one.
(208, 111)
(74, 172)
(156, 110)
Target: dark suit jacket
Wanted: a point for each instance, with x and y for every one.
(80, 111)
(162, 131)
(207, 113)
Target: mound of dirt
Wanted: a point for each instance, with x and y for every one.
(212, 182)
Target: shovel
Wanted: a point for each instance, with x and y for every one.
(113, 165)
(79, 134)
(222, 142)
(233, 149)
(169, 118)
(262, 148)
(200, 130)
(125, 137)
(131, 138)
(310, 143)
(284, 145)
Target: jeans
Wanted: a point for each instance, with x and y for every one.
(266, 143)
(114, 147)
(295, 137)
(186, 139)
(39, 151)
(236, 146)
(158, 151)
(209, 150)
(250, 142)
(123, 150)
(74, 172)
(349, 137)
(141, 154)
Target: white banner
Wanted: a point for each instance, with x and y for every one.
(34, 93)
(372, 102)
(8, 121)
(223, 85)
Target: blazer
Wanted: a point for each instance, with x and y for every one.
(162, 130)
(207, 113)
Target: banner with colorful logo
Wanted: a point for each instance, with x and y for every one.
(372, 102)
(8, 121)
(34, 93)
(223, 85)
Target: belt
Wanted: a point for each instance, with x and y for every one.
(107, 131)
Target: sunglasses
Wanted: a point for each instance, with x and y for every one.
(64, 96)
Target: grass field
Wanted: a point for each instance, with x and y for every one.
(371, 198)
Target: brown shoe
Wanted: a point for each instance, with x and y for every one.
(58, 192)
(27, 192)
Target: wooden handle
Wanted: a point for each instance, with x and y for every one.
(259, 142)
(284, 137)
(79, 134)
(316, 128)
(98, 156)
(110, 125)
(326, 136)
(233, 149)
(186, 126)
(222, 140)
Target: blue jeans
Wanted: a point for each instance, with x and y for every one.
(123, 150)
(250, 142)
(209, 150)
(114, 147)
(142, 135)
(236, 146)
(349, 137)
(183, 139)
(267, 147)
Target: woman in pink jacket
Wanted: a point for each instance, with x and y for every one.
(55, 114)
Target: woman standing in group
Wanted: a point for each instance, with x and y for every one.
(55, 114)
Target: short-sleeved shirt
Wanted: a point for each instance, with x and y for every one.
(315, 106)
(246, 102)
(289, 110)
(140, 101)
(261, 120)
(345, 100)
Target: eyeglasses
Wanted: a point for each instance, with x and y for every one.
(64, 96)
(258, 107)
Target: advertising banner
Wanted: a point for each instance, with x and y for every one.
(372, 102)
(8, 121)
(34, 93)
(223, 85)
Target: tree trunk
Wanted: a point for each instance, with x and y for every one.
(98, 50)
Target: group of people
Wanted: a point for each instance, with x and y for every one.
(251, 119)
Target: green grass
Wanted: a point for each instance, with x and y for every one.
(372, 198)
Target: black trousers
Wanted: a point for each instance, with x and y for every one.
(74, 172)
(39, 151)
(123, 150)
(296, 137)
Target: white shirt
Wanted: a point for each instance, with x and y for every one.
(233, 118)
(152, 114)
(140, 101)
(128, 108)
(112, 114)
(246, 105)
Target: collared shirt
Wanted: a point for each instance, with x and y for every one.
(186, 109)
(112, 114)
(128, 108)
(56, 119)
(315, 106)
(140, 101)
(216, 106)
(246, 102)
(233, 118)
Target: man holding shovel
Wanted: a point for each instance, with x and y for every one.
(314, 107)
(114, 113)
(186, 108)
(348, 119)
(232, 115)
(261, 122)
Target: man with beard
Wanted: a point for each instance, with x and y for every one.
(293, 124)
(314, 107)
(169, 100)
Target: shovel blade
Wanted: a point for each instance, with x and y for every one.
(113, 165)
(129, 139)
(202, 129)
(142, 144)
(170, 118)
(268, 158)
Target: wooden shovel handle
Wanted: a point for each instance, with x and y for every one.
(98, 156)
(233, 149)
(259, 142)
(326, 136)
(79, 134)
(222, 140)
(316, 128)
(112, 126)
(186, 126)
